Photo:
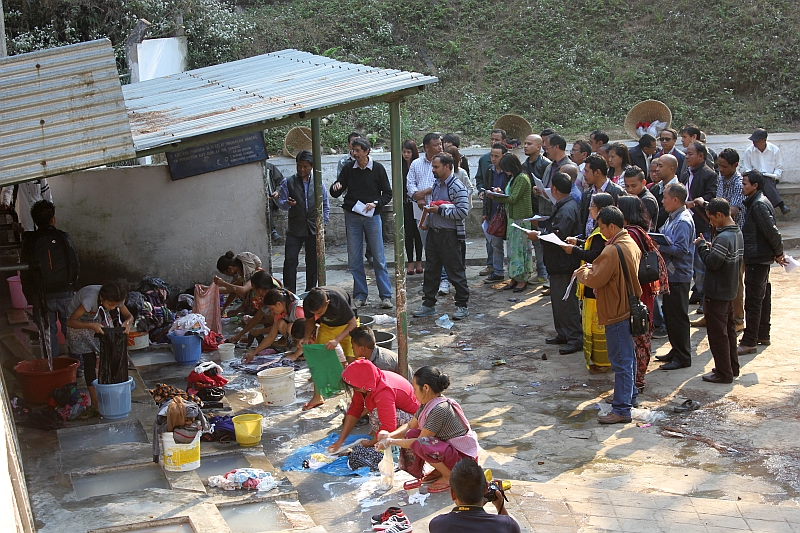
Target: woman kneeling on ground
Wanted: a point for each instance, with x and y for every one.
(285, 309)
(387, 397)
(262, 320)
(240, 267)
(439, 434)
(91, 309)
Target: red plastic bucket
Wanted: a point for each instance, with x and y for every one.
(38, 381)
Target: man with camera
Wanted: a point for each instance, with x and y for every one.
(470, 491)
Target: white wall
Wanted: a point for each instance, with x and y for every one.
(131, 222)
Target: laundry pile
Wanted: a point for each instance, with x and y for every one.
(244, 479)
(206, 382)
(268, 358)
(305, 457)
(68, 401)
(181, 417)
(148, 306)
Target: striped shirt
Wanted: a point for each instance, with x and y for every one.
(731, 190)
(450, 216)
(443, 422)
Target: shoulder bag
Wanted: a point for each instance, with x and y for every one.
(648, 264)
(640, 316)
(499, 223)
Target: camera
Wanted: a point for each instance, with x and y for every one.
(490, 491)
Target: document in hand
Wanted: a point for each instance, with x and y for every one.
(361, 209)
(546, 190)
(552, 238)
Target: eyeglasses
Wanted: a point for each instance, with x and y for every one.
(665, 139)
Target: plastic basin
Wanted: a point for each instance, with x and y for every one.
(384, 339)
(37, 380)
(187, 348)
(366, 320)
(114, 399)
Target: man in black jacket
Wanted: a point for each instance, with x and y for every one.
(296, 195)
(564, 222)
(723, 261)
(762, 246)
(595, 175)
(641, 154)
(633, 177)
(535, 165)
(699, 180)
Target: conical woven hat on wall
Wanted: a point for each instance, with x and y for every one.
(646, 111)
(515, 127)
(297, 140)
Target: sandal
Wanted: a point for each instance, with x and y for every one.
(432, 476)
(308, 406)
(412, 484)
(511, 285)
(439, 486)
(420, 270)
(409, 271)
(688, 405)
(520, 288)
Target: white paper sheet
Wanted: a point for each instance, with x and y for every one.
(569, 288)
(546, 190)
(537, 218)
(417, 211)
(515, 225)
(360, 209)
(552, 238)
(792, 264)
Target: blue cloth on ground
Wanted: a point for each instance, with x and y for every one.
(336, 468)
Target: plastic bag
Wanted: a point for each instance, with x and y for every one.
(386, 468)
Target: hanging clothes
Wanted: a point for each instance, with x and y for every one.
(206, 303)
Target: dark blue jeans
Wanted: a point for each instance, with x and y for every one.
(56, 310)
(622, 355)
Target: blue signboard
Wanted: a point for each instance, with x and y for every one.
(217, 155)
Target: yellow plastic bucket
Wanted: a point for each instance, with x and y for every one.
(248, 429)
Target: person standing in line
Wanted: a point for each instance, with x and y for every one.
(296, 195)
(494, 178)
(413, 239)
(534, 165)
(366, 184)
(762, 245)
(497, 136)
(723, 260)
(641, 154)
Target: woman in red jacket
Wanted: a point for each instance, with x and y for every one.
(387, 397)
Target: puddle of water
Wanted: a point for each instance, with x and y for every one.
(92, 437)
(216, 466)
(118, 481)
(254, 518)
(149, 358)
(173, 528)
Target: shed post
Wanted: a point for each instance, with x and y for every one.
(398, 194)
(316, 150)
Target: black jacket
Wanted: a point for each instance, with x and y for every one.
(652, 205)
(535, 168)
(612, 188)
(762, 240)
(704, 184)
(639, 159)
(365, 185)
(723, 262)
(564, 222)
(301, 222)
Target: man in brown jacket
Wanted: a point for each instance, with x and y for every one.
(605, 276)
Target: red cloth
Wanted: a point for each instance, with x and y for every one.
(204, 381)
(212, 341)
(387, 393)
(206, 303)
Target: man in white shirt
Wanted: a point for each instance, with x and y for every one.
(767, 159)
(23, 196)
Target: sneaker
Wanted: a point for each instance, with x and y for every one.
(540, 280)
(486, 270)
(276, 238)
(660, 333)
(386, 303)
(461, 313)
(494, 277)
(388, 513)
(394, 524)
(360, 302)
(424, 311)
(444, 287)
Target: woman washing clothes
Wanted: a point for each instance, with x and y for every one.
(262, 321)
(438, 434)
(387, 397)
(91, 309)
(285, 309)
(594, 335)
(240, 267)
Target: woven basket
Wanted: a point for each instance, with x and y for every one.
(515, 127)
(297, 140)
(646, 111)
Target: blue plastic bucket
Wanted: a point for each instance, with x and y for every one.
(114, 400)
(187, 348)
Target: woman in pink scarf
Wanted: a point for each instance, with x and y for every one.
(439, 434)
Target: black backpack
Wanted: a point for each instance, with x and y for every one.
(57, 259)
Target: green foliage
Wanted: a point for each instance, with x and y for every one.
(726, 65)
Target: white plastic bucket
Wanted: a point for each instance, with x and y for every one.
(226, 351)
(180, 457)
(277, 385)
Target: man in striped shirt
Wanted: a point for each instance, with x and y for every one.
(445, 222)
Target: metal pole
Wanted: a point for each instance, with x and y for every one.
(316, 148)
(267, 174)
(398, 194)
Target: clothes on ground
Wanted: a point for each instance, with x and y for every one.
(68, 401)
(206, 303)
(262, 361)
(362, 456)
(211, 342)
(244, 479)
(206, 375)
(190, 411)
(339, 467)
(192, 323)
(220, 429)
(163, 393)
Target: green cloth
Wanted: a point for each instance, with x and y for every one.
(518, 203)
(325, 367)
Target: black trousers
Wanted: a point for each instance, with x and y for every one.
(443, 250)
(722, 337)
(675, 306)
(292, 259)
(757, 304)
(771, 192)
(566, 314)
(413, 238)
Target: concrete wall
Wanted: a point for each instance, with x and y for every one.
(131, 222)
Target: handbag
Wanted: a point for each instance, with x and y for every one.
(648, 265)
(640, 315)
(499, 223)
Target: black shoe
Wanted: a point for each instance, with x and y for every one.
(546, 292)
(785, 210)
(610, 400)
(695, 298)
(699, 310)
(555, 340)
(715, 378)
(491, 278)
(764, 342)
(566, 350)
(664, 358)
(660, 333)
(673, 365)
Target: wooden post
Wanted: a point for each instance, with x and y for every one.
(398, 194)
(316, 151)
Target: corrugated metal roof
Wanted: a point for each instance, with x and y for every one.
(61, 110)
(262, 88)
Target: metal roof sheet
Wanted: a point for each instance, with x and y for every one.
(61, 110)
(258, 89)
